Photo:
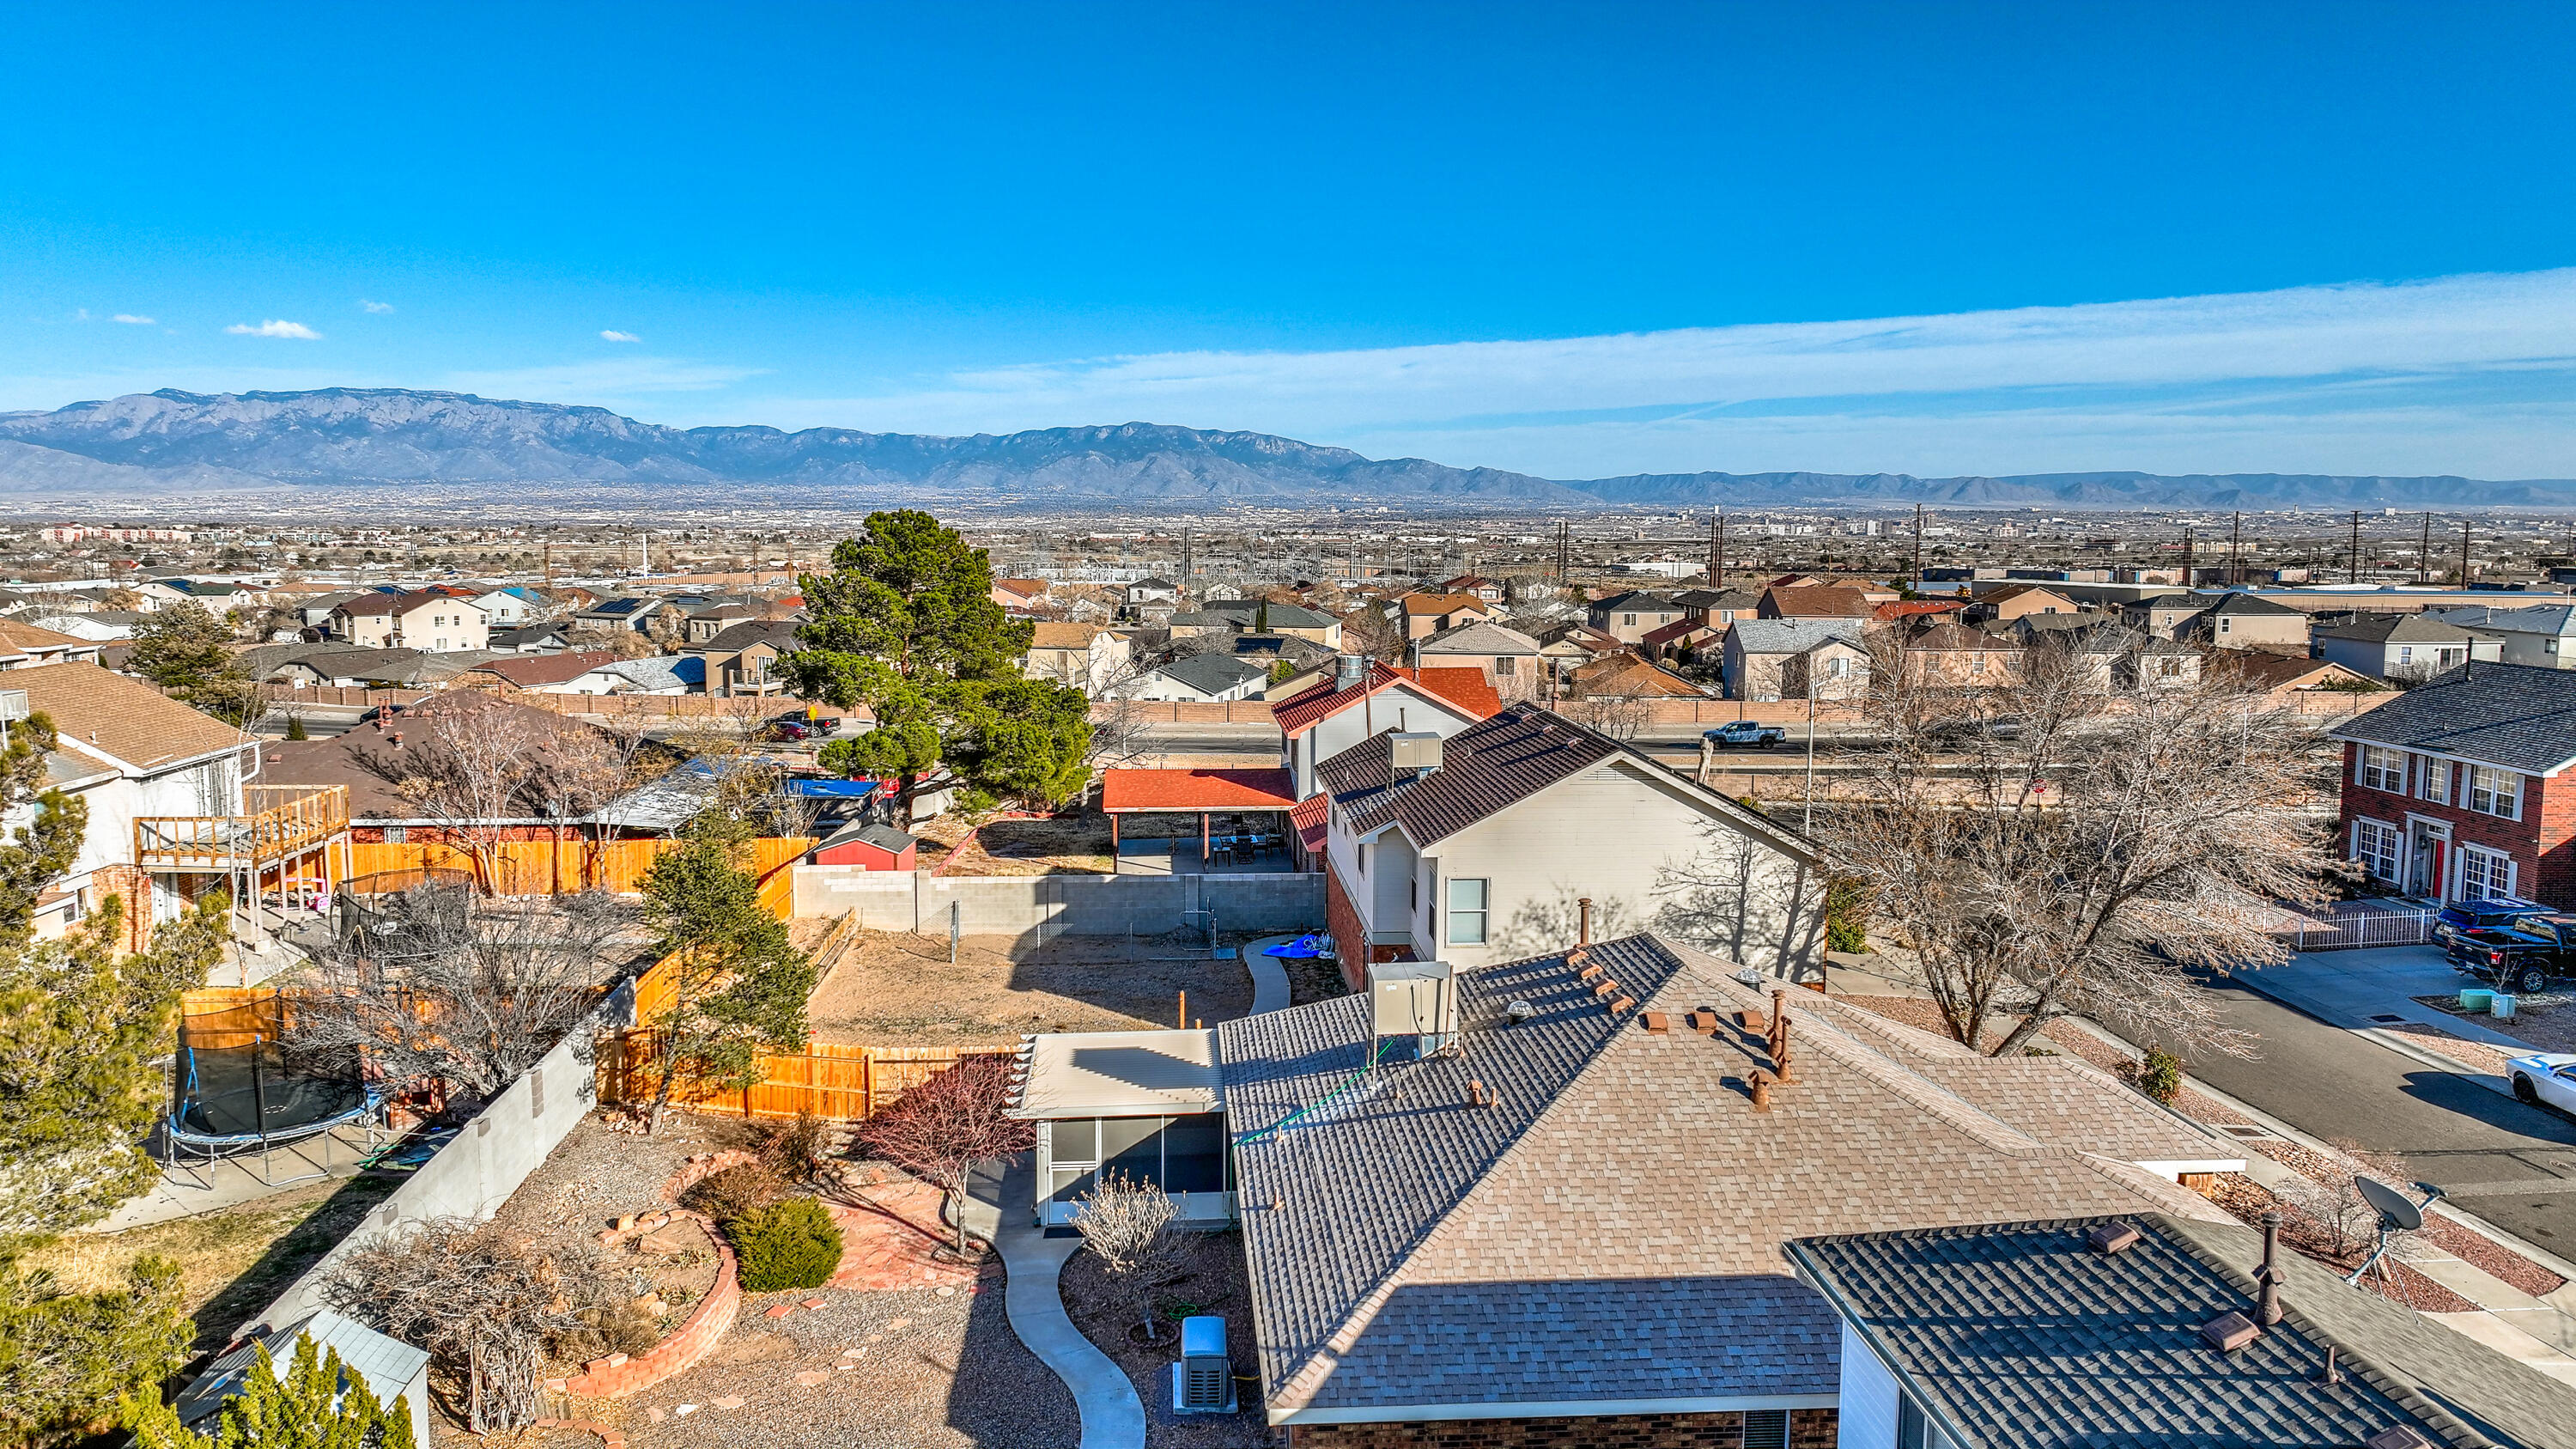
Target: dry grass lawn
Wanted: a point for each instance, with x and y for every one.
(897, 989)
(1069, 846)
(232, 1263)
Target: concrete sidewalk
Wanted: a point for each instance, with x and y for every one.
(998, 1210)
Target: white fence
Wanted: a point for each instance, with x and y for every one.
(2348, 929)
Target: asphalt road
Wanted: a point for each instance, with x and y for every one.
(2513, 1165)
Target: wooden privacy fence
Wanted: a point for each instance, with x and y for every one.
(545, 867)
(835, 1082)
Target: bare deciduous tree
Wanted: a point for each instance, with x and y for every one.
(2058, 846)
(1128, 1222)
(484, 1305)
(464, 760)
(1619, 718)
(473, 1000)
(943, 1127)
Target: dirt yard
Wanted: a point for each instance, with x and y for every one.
(232, 1263)
(1064, 846)
(897, 989)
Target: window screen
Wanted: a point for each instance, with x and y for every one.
(1194, 1154)
(1766, 1429)
(1132, 1147)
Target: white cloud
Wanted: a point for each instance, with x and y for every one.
(619, 337)
(378, 308)
(295, 330)
(129, 317)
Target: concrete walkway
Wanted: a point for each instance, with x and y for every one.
(1269, 977)
(1112, 1416)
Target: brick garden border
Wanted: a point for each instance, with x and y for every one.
(617, 1375)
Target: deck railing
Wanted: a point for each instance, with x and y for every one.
(282, 820)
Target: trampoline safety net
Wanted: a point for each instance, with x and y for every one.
(236, 1088)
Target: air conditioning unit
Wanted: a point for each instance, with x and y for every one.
(1417, 753)
(1203, 1381)
(1417, 999)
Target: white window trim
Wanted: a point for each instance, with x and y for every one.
(2396, 840)
(2512, 872)
(2513, 802)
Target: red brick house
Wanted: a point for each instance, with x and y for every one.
(2458, 788)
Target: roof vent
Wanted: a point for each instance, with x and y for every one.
(1704, 1021)
(2110, 1238)
(1349, 670)
(1417, 753)
(1520, 1011)
(2400, 1437)
(2229, 1331)
(1657, 1022)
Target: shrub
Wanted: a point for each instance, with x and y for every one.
(791, 1243)
(1846, 917)
(2160, 1075)
(736, 1191)
(795, 1149)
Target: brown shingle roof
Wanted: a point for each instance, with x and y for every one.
(528, 671)
(1050, 634)
(1612, 1227)
(28, 638)
(1825, 603)
(118, 716)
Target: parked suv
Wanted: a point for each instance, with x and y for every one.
(2475, 915)
(2522, 956)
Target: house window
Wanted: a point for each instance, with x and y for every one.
(2433, 778)
(1467, 912)
(2375, 846)
(1503, 664)
(2383, 768)
(2485, 874)
(1363, 857)
(1626, 619)
(2169, 668)
(2495, 792)
(2405, 655)
(397, 834)
(2223, 622)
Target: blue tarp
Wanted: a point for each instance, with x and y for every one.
(832, 789)
(1302, 949)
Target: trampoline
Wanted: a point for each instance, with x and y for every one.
(237, 1090)
(397, 914)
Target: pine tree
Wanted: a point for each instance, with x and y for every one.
(738, 984)
(322, 1403)
(905, 623)
(188, 651)
(295, 727)
(66, 1357)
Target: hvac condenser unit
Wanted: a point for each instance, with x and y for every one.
(1203, 1381)
(1413, 999)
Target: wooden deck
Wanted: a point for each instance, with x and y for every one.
(285, 820)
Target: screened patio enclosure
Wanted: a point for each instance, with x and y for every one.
(1139, 1104)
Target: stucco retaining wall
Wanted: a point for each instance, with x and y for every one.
(1045, 906)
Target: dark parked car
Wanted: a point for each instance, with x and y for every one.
(2477, 915)
(2522, 957)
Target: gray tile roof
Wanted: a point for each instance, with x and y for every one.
(1792, 636)
(2397, 629)
(2536, 619)
(1611, 1229)
(2242, 605)
(2514, 715)
(2019, 1335)
(1212, 673)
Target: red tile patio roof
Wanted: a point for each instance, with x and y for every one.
(1125, 790)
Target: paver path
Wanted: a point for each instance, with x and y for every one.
(1112, 1416)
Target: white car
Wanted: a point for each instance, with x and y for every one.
(2547, 1078)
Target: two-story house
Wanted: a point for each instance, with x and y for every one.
(2401, 646)
(742, 660)
(2542, 634)
(1363, 698)
(1487, 845)
(2239, 620)
(2457, 789)
(1086, 656)
(1630, 617)
(428, 619)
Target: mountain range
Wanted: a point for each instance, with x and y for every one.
(332, 440)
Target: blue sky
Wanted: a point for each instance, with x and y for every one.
(1573, 240)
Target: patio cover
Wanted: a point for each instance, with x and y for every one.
(1117, 1074)
(1127, 791)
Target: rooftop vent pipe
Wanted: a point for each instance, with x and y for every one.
(2270, 1276)
(1584, 906)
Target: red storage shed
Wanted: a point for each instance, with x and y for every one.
(875, 847)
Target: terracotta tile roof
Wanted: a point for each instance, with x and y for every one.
(1911, 608)
(1444, 603)
(1612, 1227)
(117, 716)
(1196, 790)
(1461, 688)
(1052, 635)
(1625, 676)
(1312, 820)
(1826, 603)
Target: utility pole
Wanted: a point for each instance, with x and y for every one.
(1918, 548)
(2464, 553)
(1716, 544)
(2186, 555)
(2424, 551)
(2235, 537)
(1186, 569)
(1718, 580)
(1810, 826)
(2353, 575)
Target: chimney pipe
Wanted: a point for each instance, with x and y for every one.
(1348, 670)
(1584, 904)
(1779, 1040)
(1761, 1092)
(397, 739)
(2333, 1375)
(2268, 1309)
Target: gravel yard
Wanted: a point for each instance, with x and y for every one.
(2547, 1021)
(894, 988)
(1216, 1285)
(884, 1370)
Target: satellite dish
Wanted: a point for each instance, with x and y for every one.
(2396, 1213)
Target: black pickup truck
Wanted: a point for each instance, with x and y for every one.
(2521, 956)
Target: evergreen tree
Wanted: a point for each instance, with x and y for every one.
(738, 984)
(65, 1358)
(188, 651)
(295, 727)
(906, 624)
(322, 1403)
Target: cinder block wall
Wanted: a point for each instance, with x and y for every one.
(1808, 1429)
(1034, 908)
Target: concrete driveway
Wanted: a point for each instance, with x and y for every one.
(2513, 1165)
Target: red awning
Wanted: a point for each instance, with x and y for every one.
(1122, 791)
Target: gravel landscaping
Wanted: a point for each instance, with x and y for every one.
(888, 1370)
(1217, 1284)
(2547, 1021)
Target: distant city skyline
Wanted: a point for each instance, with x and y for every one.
(1571, 243)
